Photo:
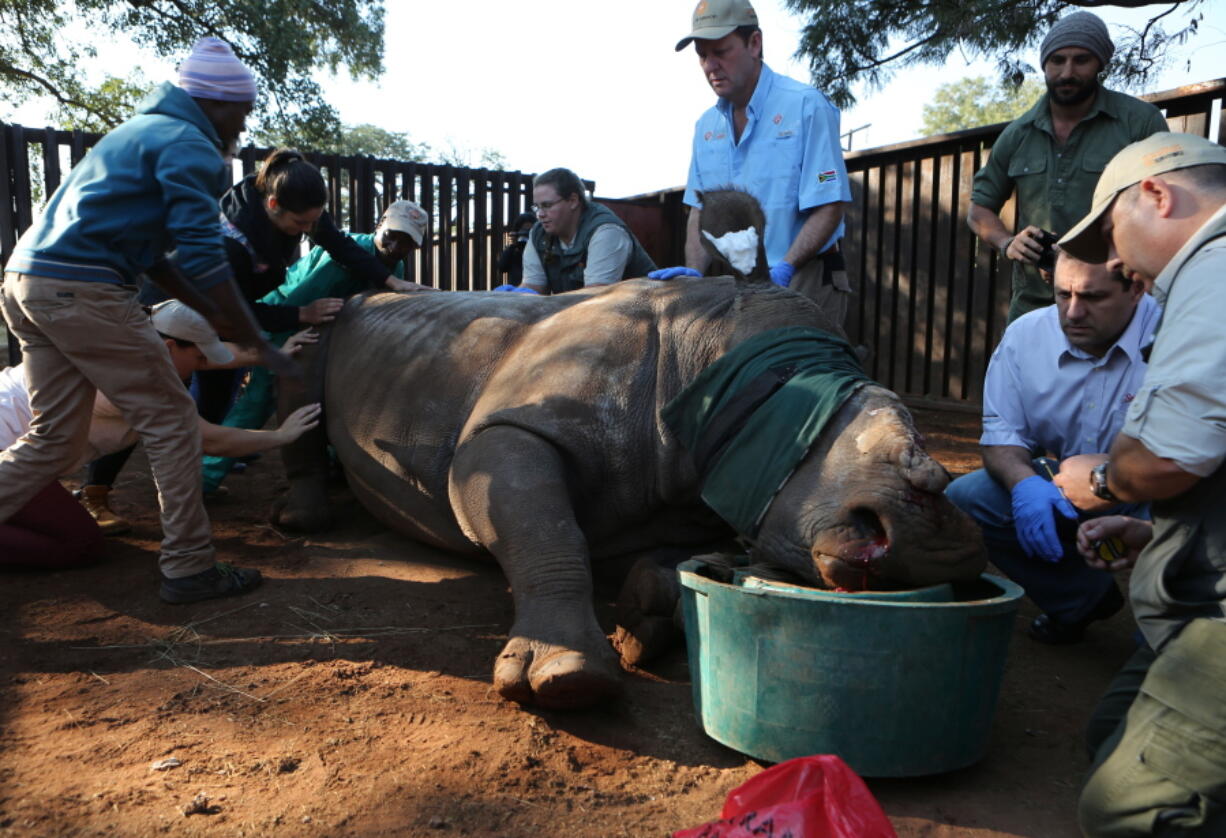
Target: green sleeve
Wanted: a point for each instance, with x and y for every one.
(992, 185)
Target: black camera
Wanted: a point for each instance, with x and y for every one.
(1047, 258)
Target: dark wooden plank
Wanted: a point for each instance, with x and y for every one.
(8, 220)
(931, 377)
(22, 198)
(877, 271)
(498, 223)
(950, 275)
(429, 188)
(485, 253)
(51, 162)
(77, 146)
(462, 242)
(897, 303)
(864, 247)
(913, 333)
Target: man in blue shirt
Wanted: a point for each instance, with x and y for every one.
(777, 139)
(1061, 381)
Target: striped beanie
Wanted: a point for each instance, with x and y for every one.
(212, 71)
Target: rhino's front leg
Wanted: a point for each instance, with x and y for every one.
(509, 492)
(305, 507)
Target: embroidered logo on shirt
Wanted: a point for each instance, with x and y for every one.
(1128, 397)
(778, 118)
(827, 177)
(707, 136)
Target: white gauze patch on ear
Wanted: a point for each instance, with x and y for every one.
(740, 248)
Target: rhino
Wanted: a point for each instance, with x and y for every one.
(532, 429)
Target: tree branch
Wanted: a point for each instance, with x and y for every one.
(8, 69)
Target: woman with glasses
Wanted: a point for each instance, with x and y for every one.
(577, 243)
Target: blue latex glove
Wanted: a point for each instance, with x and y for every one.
(781, 274)
(1036, 503)
(671, 273)
(516, 289)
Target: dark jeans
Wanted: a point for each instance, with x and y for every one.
(1066, 590)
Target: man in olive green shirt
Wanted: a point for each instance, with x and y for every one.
(1053, 154)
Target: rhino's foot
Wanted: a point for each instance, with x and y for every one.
(647, 624)
(543, 668)
(304, 508)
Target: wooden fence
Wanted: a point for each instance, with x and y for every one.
(470, 210)
(930, 301)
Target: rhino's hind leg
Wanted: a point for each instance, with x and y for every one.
(509, 492)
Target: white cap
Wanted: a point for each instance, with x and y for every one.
(406, 217)
(173, 319)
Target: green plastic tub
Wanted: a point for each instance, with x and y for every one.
(899, 684)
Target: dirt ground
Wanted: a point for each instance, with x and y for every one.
(350, 696)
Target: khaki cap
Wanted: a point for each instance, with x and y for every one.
(1154, 155)
(713, 19)
(176, 320)
(406, 217)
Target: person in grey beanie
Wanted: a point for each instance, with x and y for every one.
(1051, 156)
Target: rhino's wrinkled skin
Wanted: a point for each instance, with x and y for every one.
(529, 428)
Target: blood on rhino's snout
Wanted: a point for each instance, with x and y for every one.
(870, 550)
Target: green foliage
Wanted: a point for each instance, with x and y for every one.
(111, 102)
(866, 41)
(283, 41)
(976, 101)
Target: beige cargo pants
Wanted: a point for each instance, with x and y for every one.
(78, 337)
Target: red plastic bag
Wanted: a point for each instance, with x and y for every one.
(806, 797)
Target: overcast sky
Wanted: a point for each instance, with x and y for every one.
(599, 88)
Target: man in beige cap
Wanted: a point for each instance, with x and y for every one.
(1159, 737)
(777, 139)
(1052, 155)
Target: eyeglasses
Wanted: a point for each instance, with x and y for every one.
(545, 206)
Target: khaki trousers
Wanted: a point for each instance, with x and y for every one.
(78, 337)
(1162, 771)
(831, 293)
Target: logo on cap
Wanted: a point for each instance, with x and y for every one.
(1154, 158)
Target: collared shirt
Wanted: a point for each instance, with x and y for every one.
(1055, 183)
(1180, 410)
(1041, 391)
(789, 157)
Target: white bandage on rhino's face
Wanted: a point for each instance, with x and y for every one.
(740, 248)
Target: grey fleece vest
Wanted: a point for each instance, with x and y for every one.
(564, 270)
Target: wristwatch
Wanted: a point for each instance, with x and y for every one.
(1098, 482)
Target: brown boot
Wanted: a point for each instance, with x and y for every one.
(94, 499)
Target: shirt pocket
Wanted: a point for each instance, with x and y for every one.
(1094, 162)
(1027, 165)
